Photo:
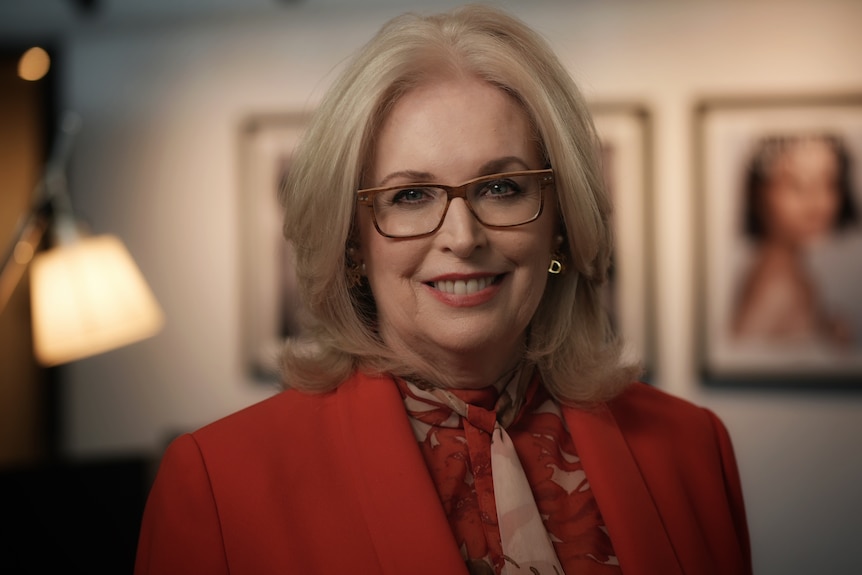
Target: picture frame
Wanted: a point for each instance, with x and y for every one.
(270, 302)
(780, 241)
(625, 133)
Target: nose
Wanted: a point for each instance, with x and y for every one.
(461, 232)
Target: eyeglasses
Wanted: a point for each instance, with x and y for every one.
(497, 201)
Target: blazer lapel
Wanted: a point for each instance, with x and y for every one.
(640, 540)
(399, 501)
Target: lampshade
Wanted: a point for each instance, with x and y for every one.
(88, 297)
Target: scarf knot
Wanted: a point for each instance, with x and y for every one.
(479, 406)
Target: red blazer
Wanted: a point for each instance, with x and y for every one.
(335, 483)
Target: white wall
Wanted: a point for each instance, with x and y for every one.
(158, 165)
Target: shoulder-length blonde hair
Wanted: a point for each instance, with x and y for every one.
(570, 340)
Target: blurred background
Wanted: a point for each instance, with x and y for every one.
(164, 90)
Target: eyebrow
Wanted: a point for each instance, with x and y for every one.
(494, 166)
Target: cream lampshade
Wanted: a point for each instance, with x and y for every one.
(89, 297)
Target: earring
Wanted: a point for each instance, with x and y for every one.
(558, 263)
(354, 276)
(353, 269)
(558, 259)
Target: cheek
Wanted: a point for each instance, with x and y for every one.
(539, 271)
(534, 258)
(781, 207)
(831, 201)
(388, 263)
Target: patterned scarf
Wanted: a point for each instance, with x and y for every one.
(486, 492)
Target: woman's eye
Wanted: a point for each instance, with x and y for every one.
(410, 195)
(500, 188)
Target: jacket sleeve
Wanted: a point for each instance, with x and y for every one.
(180, 531)
(733, 487)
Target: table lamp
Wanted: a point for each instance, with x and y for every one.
(87, 296)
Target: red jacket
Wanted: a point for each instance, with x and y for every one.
(335, 483)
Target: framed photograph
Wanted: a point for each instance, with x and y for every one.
(780, 194)
(270, 302)
(625, 133)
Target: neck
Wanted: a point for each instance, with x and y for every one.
(463, 370)
(782, 245)
(778, 252)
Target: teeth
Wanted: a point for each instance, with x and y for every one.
(464, 287)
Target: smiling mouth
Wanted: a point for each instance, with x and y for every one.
(465, 287)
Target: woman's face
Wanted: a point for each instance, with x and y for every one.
(801, 199)
(463, 296)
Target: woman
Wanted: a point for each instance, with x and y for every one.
(798, 191)
(458, 405)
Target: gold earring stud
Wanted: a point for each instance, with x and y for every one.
(558, 262)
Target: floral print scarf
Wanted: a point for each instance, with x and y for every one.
(508, 477)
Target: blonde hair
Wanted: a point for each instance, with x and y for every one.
(570, 340)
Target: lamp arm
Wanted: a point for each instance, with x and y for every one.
(51, 203)
(25, 242)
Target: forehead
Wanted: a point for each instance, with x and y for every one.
(452, 127)
(805, 154)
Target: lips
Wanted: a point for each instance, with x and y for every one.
(465, 286)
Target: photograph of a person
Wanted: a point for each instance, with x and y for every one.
(785, 250)
(798, 191)
(456, 401)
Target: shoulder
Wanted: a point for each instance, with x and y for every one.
(664, 431)
(285, 414)
(267, 437)
(282, 409)
(640, 400)
(648, 415)
(289, 414)
(677, 445)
